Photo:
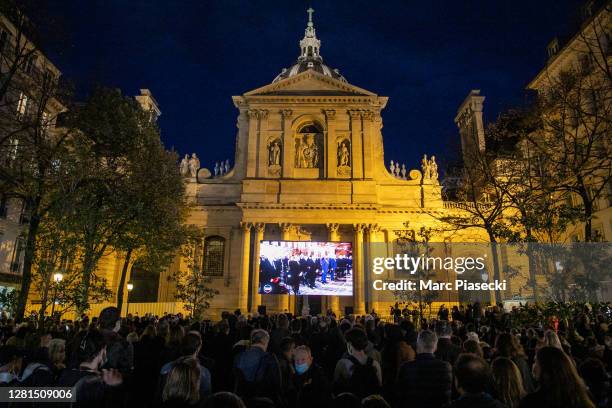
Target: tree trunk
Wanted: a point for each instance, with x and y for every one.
(28, 258)
(126, 263)
(496, 272)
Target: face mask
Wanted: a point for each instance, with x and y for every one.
(301, 368)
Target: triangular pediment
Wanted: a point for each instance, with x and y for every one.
(310, 83)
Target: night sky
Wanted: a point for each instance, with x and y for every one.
(194, 55)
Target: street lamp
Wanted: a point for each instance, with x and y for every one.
(57, 278)
(130, 286)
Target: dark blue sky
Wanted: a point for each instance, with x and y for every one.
(194, 55)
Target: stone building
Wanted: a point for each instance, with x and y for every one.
(309, 166)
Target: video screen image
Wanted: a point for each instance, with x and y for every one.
(305, 268)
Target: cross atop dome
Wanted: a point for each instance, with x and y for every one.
(310, 44)
(310, 57)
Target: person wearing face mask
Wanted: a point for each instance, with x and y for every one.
(311, 385)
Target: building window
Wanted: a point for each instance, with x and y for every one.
(24, 217)
(214, 253)
(18, 252)
(29, 64)
(22, 104)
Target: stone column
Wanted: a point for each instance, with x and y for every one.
(262, 148)
(368, 159)
(283, 300)
(332, 147)
(374, 249)
(358, 276)
(333, 302)
(356, 145)
(256, 297)
(287, 143)
(252, 142)
(243, 295)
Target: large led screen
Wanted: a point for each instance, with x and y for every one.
(305, 268)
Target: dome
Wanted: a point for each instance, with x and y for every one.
(305, 65)
(310, 58)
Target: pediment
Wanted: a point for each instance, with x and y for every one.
(310, 83)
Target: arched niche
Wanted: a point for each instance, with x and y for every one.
(309, 150)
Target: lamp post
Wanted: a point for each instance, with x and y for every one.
(130, 286)
(57, 278)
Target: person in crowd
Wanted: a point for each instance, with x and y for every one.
(10, 366)
(224, 399)
(472, 376)
(285, 362)
(93, 386)
(191, 346)
(182, 385)
(312, 387)
(507, 382)
(473, 347)
(280, 332)
(57, 356)
(374, 401)
(597, 380)
(119, 352)
(446, 350)
(507, 345)
(357, 372)
(396, 351)
(257, 371)
(559, 382)
(426, 381)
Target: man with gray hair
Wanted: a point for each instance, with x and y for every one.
(426, 381)
(257, 371)
(446, 350)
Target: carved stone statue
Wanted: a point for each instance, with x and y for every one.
(184, 166)
(344, 155)
(217, 169)
(425, 166)
(433, 169)
(392, 167)
(194, 165)
(274, 153)
(307, 153)
(403, 171)
(226, 166)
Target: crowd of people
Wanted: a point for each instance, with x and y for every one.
(474, 360)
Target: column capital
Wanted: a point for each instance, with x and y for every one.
(332, 227)
(262, 113)
(367, 114)
(253, 113)
(329, 113)
(285, 226)
(373, 228)
(286, 113)
(354, 113)
(259, 227)
(359, 228)
(246, 226)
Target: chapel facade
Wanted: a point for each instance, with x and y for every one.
(309, 166)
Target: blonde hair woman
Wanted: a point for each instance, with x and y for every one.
(183, 383)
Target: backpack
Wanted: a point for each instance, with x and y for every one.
(364, 380)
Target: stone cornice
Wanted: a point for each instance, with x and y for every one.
(296, 206)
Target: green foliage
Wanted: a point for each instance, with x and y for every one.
(8, 299)
(192, 284)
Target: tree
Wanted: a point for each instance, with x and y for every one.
(192, 284)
